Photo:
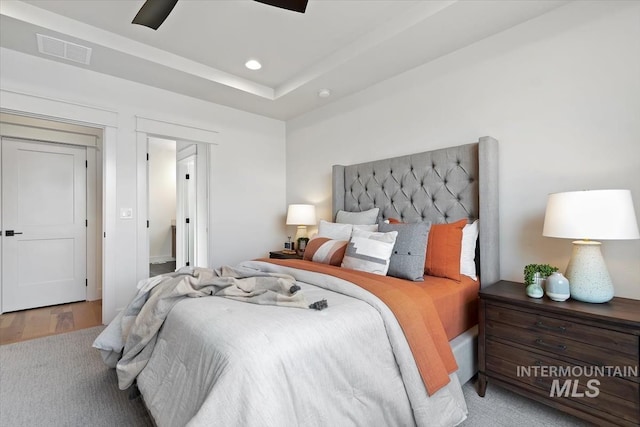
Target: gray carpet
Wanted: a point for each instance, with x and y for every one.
(61, 381)
(502, 408)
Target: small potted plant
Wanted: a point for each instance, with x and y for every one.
(534, 275)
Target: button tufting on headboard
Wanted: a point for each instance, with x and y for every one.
(448, 188)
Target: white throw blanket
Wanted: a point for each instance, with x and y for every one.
(129, 340)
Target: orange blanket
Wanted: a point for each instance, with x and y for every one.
(415, 312)
(456, 302)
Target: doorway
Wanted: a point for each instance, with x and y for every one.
(177, 204)
(51, 205)
(162, 206)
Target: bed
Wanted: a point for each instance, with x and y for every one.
(218, 361)
(476, 164)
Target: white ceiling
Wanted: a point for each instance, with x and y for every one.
(200, 50)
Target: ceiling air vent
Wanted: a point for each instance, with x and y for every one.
(62, 49)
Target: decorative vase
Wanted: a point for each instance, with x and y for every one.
(535, 290)
(557, 287)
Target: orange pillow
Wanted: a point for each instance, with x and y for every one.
(325, 250)
(395, 221)
(443, 250)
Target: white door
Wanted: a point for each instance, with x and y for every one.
(186, 212)
(43, 224)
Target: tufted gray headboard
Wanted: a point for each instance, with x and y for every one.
(440, 186)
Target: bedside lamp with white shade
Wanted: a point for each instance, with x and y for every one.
(301, 215)
(586, 215)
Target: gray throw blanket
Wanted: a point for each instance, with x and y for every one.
(140, 322)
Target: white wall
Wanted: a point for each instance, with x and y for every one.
(248, 171)
(162, 197)
(561, 93)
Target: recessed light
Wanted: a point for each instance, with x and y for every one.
(324, 93)
(252, 64)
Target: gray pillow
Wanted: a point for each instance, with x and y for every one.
(358, 218)
(408, 256)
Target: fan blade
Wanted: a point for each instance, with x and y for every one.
(295, 5)
(153, 13)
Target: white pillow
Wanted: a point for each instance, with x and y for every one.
(335, 231)
(370, 251)
(366, 227)
(468, 250)
(360, 218)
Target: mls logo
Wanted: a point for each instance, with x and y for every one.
(570, 388)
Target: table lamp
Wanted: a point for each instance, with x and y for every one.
(585, 215)
(301, 215)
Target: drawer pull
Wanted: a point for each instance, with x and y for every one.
(560, 347)
(540, 324)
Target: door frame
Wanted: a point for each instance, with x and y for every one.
(206, 140)
(58, 133)
(62, 111)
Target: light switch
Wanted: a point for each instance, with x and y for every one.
(126, 213)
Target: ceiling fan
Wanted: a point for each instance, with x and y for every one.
(153, 12)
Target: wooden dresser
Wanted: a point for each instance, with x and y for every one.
(577, 357)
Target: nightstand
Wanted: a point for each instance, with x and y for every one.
(577, 357)
(282, 255)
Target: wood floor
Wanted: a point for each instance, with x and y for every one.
(40, 322)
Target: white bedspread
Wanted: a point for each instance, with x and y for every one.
(220, 362)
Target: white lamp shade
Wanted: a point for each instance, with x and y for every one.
(594, 214)
(301, 215)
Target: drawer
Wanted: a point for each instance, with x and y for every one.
(499, 356)
(534, 323)
(617, 398)
(562, 347)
